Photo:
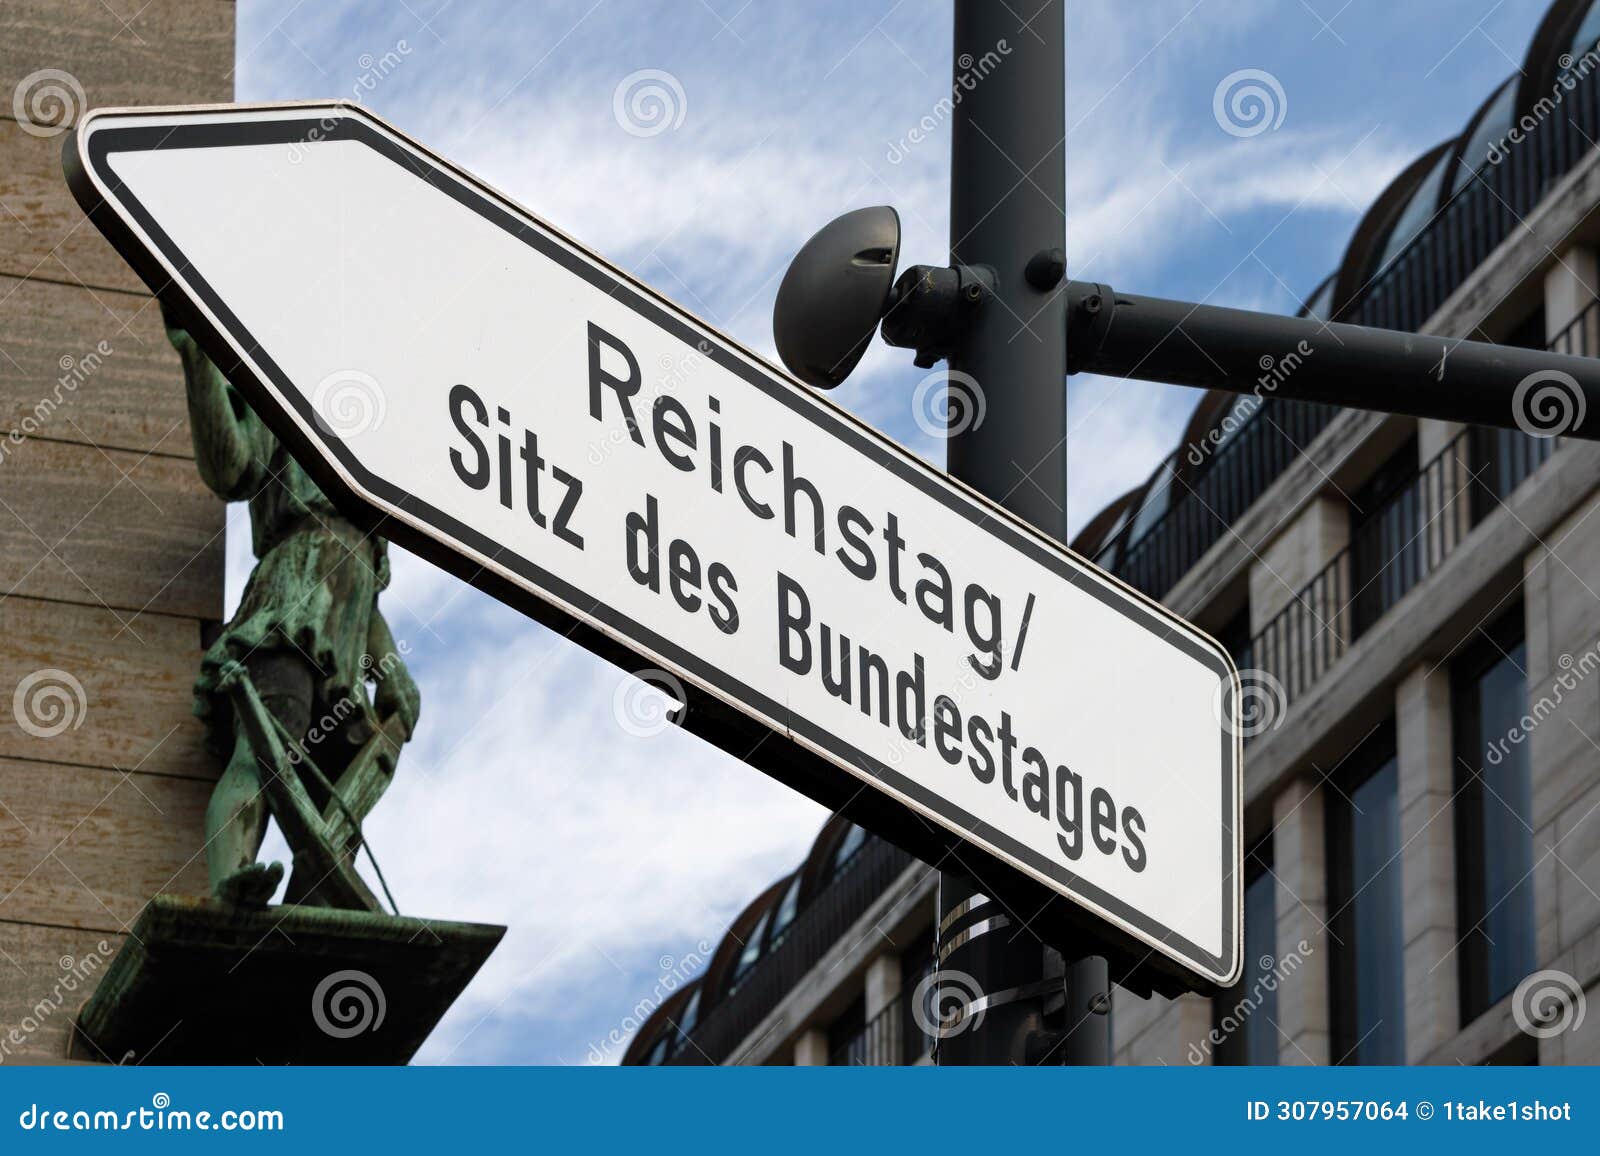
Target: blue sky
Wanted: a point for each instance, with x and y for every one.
(613, 857)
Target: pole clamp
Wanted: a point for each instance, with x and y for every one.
(931, 308)
(1090, 308)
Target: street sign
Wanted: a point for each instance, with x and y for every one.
(840, 614)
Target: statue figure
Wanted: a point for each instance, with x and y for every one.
(283, 691)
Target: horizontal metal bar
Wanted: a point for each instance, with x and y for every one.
(1124, 335)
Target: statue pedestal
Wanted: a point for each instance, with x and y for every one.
(201, 983)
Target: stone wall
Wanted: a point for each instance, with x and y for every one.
(111, 550)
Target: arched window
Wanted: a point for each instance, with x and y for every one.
(1419, 210)
(689, 1016)
(1153, 506)
(788, 906)
(658, 1052)
(751, 953)
(1587, 33)
(1487, 131)
(843, 855)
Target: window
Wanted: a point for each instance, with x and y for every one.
(1107, 558)
(1494, 838)
(658, 1052)
(1588, 32)
(1245, 1017)
(1489, 132)
(750, 954)
(787, 909)
(1153, 503)
(847, 1035)
(1366, 972)
(1234, 635)
(1388, 545)
(1419, 210)
(849, 846)
(688, 1017)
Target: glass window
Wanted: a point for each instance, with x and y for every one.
(1366, 972)
(1418, 212)
(1235, 637)
(847, 1036)
(751, 952)
(658, 1052)
(1245, 1017)
(689, 1016)
(1154, 503)
(1107, 558)
(1489, 131)
(1388, 536)
(854, 839)
(1494, 839)
(787, 907)
(1588, 32)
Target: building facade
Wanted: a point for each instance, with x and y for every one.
(111, 548)
(1414, 607)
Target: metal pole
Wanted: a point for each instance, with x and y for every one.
(1125, 335)
(1007, 198)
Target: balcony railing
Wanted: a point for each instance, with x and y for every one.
(1403, 295)
(1207, 503)
(820, 925)
(1391, 550)
(1493, 202)
(877, 1044)
(1402, 542)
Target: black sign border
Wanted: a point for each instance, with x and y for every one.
(345, 122)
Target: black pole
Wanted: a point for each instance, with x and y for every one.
(1007, 213)
(1125, 335)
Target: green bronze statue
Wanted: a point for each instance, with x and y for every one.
(283, 692)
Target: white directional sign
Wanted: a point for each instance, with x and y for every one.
(843, 615)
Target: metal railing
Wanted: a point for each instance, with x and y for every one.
(1397, 545)
(816, 928)
(1391, 550)
(1489, 205)
(1205, 504)
(876, 1044)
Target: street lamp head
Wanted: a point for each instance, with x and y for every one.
(834, 294)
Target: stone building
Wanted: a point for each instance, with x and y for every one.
(1416, 610)
(111, 549)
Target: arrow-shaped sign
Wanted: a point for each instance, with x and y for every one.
(497, 398)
